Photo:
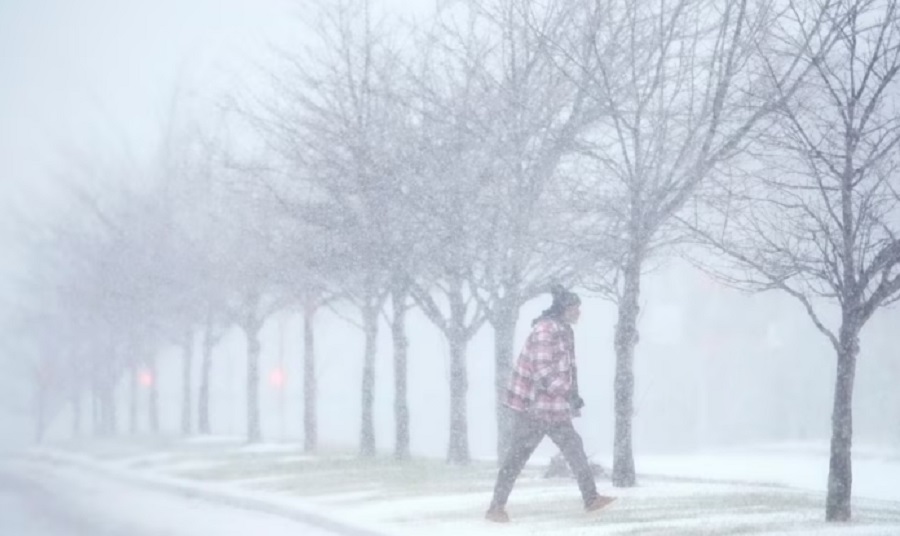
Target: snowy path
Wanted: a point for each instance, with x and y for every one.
(67, 502)
(874, 476)
(29, 508)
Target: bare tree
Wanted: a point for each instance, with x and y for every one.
(444, 291)
(254, 248)
(538, 111)
(100, 298)
(675, 81)
(816, 216)
(399, 306)
(212, 333)
(119, 277)
(187, 367)
(333, 120)
(83, 264)
(41, 357)
(314, 269)
(310, 386)
(204, 196)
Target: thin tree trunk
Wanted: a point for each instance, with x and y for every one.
(203, 426)
(95, 402)
(840, 470)
(76, 414)
(505, 320)
(112, 404)
(626, 337)
(187, 379)
(367, 434)
(101, 405)
(153, 396)
(107, 408)
(133, 388)
(40, 410)
(254, 428)
(401, 344)
(310, 397)
(458, 450)
(96, 416)
(108, 391)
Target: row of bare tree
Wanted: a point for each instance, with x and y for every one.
(462, 164)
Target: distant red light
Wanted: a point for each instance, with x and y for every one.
(276, 378)
(145, 378)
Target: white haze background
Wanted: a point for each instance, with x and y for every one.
(714, 367)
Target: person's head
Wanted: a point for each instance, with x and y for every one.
(572, 313)
(566, 305)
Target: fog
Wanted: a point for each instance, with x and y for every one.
(754, 372)
(97, 77)
(124, 123)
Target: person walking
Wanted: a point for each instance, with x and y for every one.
(543, 395)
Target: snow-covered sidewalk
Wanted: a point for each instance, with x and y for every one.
(876, 473)
(428, 497)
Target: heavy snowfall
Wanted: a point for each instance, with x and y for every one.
(269, 267)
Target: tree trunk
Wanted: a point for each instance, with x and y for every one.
(96, 409)
(505, 320)
(401, 344)
(107, 409)
(458, 450)
(153, 396)
(840, 470)
(203, 426)
(112, 404)
(626, 338)
(76, 414)
(310, 397)
(102, 403)
(367, 434)
(187, 364)
(254, 428)
(40, 411)
(133, 388)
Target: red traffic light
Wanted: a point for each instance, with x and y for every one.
(276, 378)
(145, 378)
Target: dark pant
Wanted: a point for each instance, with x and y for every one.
(526, 436)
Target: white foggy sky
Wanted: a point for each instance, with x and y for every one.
(95, 77)
(86, 74)
(92, 74)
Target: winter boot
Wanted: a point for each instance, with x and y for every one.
(497, 514)
(598, 503)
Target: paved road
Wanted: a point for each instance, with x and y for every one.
(28, 509)
(37, 500)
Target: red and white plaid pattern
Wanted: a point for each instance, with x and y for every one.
(543, 377)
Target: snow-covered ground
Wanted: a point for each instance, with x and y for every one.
(773, 489)
(874, 476)
(67, 501)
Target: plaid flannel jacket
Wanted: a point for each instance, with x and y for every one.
(543, 379)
